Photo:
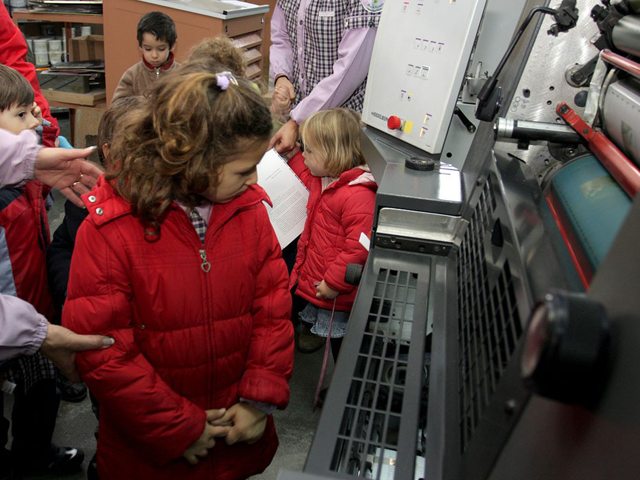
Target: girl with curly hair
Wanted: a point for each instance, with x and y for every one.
(177, 261)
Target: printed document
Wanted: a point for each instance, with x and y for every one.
(288, 195)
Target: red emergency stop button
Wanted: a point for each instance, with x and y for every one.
(394, 123)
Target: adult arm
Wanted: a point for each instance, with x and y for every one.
(22, 328)
(13, 53)
(22, 159)
(151, 415)
(270, 358)
(280, 52)
(349, 71)
(23, 331)
(18, 155)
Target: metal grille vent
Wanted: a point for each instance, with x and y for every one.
(368, 435)
(488, 321)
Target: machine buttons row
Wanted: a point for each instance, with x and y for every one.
(421, 71)
(430, 46)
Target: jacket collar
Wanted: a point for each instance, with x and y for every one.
(104, 204)
(222, 212)
(165, 66)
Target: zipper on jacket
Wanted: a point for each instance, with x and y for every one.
(205, 266)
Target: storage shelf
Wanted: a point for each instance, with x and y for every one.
(67, 20)
(56, 17)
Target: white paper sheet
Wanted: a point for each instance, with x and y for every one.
(288, 195)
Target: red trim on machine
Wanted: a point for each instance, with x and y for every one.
(616, 162)
(583, 267)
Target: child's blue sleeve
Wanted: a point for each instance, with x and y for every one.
(64, 143)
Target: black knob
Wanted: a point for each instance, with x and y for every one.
(567, 350)
(422, 164)
(353, 274)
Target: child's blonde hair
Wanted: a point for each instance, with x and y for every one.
(173, 150)
(221, 50)
(15, 90)
(334, 135)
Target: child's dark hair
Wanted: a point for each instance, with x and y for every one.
(221, 50)
(158, 24)
(174, 149)
(111, 118)
(14, 89)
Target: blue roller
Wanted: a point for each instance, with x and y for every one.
(594, 204)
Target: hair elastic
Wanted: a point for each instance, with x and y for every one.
(224, 79)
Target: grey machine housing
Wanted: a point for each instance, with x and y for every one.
(428, 383)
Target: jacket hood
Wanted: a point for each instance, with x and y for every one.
(356, 176)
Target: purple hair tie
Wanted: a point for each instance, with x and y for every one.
(224, 79)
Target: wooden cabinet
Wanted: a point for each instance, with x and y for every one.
(121, 20)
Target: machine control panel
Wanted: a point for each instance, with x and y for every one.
(417, 70)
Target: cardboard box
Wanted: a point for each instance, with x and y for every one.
(89, 47)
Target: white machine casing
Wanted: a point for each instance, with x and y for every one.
(417, 70)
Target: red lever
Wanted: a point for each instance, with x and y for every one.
(394, 123)
(618, 165)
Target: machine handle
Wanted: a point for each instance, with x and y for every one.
(471, 128)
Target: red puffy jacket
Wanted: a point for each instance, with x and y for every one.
(186, 339)
(336, 218)
(24, 240)
(13, 53)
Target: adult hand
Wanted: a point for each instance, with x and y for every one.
(286, 138)
(248, 423)
(325, 292)
(61, 345)
(67, 170)
(200, 448)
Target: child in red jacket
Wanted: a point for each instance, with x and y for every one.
(338, 226)
(23, 241)
(178, 260)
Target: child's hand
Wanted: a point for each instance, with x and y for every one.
(280, 103)
(200, 448)
(248, 423)
(285, 88)
(36, 111)
(324, 292)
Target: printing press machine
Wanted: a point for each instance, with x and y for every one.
(496, 328)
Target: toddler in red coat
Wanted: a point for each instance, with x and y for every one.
(338, 226)
(178, 260)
